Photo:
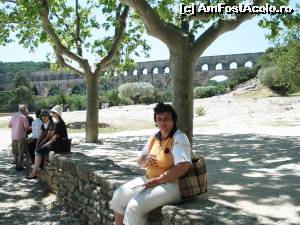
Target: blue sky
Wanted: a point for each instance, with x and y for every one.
(248, 37)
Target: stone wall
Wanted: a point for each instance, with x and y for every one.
(86, 185)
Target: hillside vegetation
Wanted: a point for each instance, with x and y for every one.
(22, 67)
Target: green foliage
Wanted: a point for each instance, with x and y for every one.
(21, 80)
(78, 90)
(162, 96)
(289, 66)
(5, 97)
(35, 90)
(278, 23)
(54, 90)
(45, 102)
(21, 93)
(113, 97)
(223, 87)
(281, 68)
(126, 101)
(200, 111)
(90, 25)
(241, 75)
(12, 68)
(77, 102)
(205, 91)
(136, 91)
(62, 99)
(267, 76)
(271, 78)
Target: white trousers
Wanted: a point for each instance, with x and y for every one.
(135, 203)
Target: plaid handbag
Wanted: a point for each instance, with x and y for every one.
(194, 181)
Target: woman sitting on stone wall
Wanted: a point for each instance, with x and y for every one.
(166, 157)
(58, 142)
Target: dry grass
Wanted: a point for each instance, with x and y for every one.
(261, 92)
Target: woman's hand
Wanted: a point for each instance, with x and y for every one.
(44, 145)
(151, 159)
(152, 182)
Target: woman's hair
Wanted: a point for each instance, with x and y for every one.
(161, 108)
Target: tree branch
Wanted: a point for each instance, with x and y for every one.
(60, 48)
(61, 61)
(78, 39)
(153, 23)
(200, 16)
(118, 37)
(11, 1)
(219, 27)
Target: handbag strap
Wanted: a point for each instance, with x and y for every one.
(197, 175)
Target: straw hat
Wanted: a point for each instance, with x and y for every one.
(57, 109)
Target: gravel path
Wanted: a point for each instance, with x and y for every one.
(25, 201)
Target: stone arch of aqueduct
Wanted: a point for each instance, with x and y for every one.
(155, 72)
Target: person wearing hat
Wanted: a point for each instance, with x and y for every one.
(43, 146)
(61, 141)
(58, 142)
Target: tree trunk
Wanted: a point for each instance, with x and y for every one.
(182, 69)
(92, 117)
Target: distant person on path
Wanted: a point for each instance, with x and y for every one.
(166, 157)
(19, 125)
(36, 131)
(58, 141)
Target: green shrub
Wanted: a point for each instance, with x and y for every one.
(44, 102)
(147, 99)
(205, 91)
(102, 99)
(126, 101)
(112, 97)
(78, 90)
(271, 78)
(5, 96)
(77, 102)
(162, 96)
(54, 90)
(135, 91)
(222, 86)
(61, 99)
(200, 111)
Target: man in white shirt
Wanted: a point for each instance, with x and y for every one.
(36, 130)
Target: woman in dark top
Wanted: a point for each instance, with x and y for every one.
(58, 143)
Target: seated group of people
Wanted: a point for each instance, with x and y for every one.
(49, 133)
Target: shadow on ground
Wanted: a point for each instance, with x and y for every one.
(256, 173)
(25, 201)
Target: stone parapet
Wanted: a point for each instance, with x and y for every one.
(86, 185)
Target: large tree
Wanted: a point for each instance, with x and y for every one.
(188, 36)
(75, 30)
